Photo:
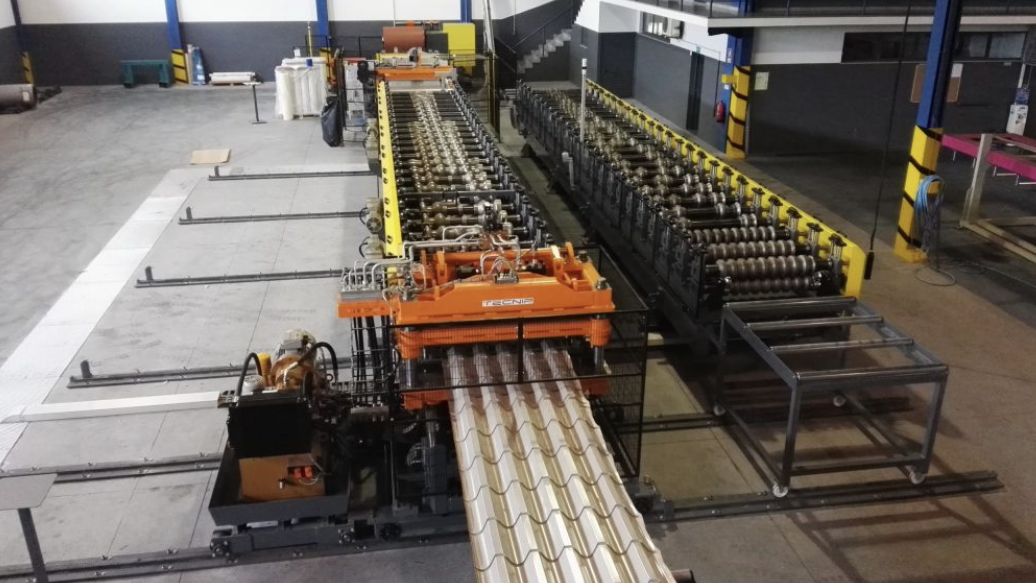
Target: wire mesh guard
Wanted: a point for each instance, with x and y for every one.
(535, 354)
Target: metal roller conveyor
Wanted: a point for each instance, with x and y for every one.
(439, 150)
(673, 203)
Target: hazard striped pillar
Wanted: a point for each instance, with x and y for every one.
(924, 155)
(927, 139)
(176, 48)
(737, 86)
(30, 75)
(23, 44)
(737, 118)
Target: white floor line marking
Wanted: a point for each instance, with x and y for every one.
(36, 365)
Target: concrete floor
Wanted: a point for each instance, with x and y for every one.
(988, 420)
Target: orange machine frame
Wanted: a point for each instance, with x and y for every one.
(416, 72)
(569, 287)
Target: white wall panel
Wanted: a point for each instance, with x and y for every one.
(813, 45)
(247, 10)
(6, 15)
(91, 11)
(590, 15)
(395, 9)
(505, 8)
(618, 19)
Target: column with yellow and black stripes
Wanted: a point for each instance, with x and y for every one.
(924, 147)
(737, 118)
(737, 85)
(23, 44)
(178, 56)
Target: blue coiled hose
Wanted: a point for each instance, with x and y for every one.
(926, 214)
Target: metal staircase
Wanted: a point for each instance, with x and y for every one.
(536, 55)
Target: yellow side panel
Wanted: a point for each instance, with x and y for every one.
(393, 244)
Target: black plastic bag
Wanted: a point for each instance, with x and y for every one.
(332, 124)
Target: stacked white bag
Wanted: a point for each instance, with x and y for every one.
(301, 88)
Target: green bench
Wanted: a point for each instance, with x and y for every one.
(164, 72)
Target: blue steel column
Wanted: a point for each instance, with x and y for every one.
(924, 149)
(465, 10)
(177, 55)
(736, 77)
(323, 22)
(324, 32)
(23, 44)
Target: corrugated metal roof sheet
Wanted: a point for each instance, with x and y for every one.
(544, 499)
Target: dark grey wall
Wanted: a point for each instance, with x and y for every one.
(609, 59)
(845, 107)
(711, 94)
(10, 57)
(89, 54)
(617, 58)
(245, 46)
(661, 78)
(584, 45)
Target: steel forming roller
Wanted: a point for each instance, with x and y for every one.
(772, 286)
(737, 234)
(743, 249)
(766, 267)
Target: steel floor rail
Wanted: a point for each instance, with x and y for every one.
(878, 492)
(202, 462)
(217, 177)
(151, 281)
(190, 219)
(705, 508)
(200, 559)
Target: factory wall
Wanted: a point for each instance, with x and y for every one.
(816, 103)
(80, 42)
(585, 45)
(679, 85)
(816, 108)
(10, 55)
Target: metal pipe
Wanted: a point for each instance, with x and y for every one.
(813, 323)
(582, 104)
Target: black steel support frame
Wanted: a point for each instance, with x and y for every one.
(838, 384)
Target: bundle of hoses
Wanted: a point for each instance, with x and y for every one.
(927, 214)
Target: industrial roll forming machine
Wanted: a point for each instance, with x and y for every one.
(727, 259)
(489, 372)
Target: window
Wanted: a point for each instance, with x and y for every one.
(862, 47)
(662, 27)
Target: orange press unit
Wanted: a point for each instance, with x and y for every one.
(483, 292)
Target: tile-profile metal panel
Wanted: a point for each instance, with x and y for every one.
(544, 498)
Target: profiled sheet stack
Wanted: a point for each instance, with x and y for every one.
(544, 499)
